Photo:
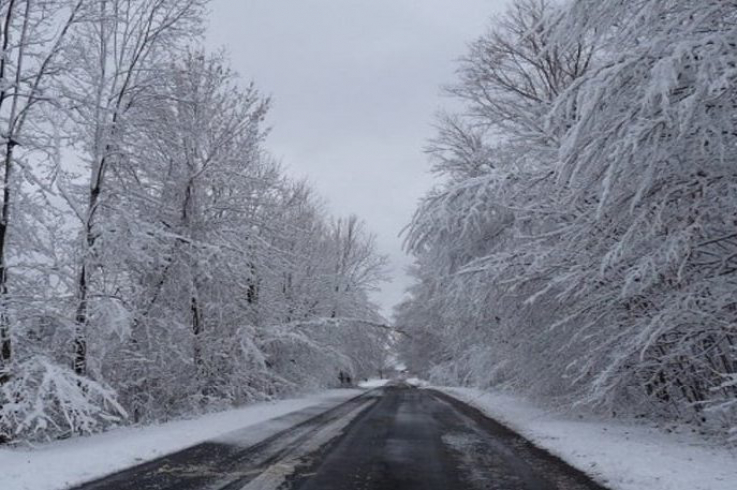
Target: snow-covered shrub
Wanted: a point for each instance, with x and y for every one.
(43, 400)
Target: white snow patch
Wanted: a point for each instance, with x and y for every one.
(373, 383)
(417, 382)
(620, 456)
(63, 464)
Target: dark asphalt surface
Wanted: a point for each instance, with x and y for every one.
(420, 439)
(395, 438)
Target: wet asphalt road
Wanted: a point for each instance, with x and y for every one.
(395, 438)
(418, 439)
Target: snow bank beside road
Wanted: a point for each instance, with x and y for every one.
(620, 456)
(373, 383)
(418, 383)
(65, 463)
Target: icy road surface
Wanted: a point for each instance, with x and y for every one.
(392, 438)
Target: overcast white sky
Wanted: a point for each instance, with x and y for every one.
(355, 85)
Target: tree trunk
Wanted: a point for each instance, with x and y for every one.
(6, 346)
(197, 333)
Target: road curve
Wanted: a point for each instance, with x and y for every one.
(395, 438)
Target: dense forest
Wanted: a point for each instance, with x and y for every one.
(581, 246)
(155, 260)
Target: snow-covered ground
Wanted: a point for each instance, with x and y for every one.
(62, 464)
(417, 382)
(620, 456)
(373, 383)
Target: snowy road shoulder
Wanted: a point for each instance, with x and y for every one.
(620, 456)
(373, 383)
(63, 464)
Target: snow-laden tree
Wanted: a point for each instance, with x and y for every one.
(648, 169)
(31, 40)
(498, 158)
(582, 247)
(159, 261)
(317, 288)
(177, 220)
(115, 53)
(208, 243)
